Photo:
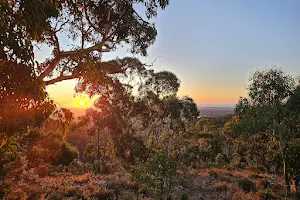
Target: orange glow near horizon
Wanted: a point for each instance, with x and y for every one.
(64, 95)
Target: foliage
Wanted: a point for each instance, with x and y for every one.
(247, 185)
(157, 175)
(204, 124)
(67, 154)
(45, 148)
(99, 26)
(265, 195)
(23, 101)
(293, 156)
(268, 111)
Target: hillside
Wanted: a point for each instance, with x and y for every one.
(194, 184)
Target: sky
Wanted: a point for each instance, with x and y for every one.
(213, 46)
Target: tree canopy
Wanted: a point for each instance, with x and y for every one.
(270, 109)
(94, 27)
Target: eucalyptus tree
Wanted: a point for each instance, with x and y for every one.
(93, 27)
(135, 120)
(293, 149)
(266, 111)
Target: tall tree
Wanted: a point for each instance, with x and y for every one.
(93, 26)
(265, 110)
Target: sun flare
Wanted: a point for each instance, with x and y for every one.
(81, 103)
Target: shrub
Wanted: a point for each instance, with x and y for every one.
(74, 192)
(213, 173)
(265, 183)
(239, 195)
(128, 196)
(43, 170)
(220, 159)
(103, 194)
(34, 193)
(247, 185)
(55, 196)
(255, 176)
(265, 195)
(257, 168)
(184, 196)
(44, 149)
(157, 175)
(77, 167)
(220, 187)
(67, 154)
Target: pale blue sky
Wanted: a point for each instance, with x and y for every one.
(213, 45)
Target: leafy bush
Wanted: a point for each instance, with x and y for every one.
(128, 196)
(213, 173)
(157, 175)
(265, 183)
(265, 195)
(43, 170)
(247, 185)
(44, 149)
(255, 176)
(67, 154)
(74, 192)
(220, 159)
(77, 167)
(221, 186)
(55, 196)
(184, 196)
(103, 194)
(257, 168)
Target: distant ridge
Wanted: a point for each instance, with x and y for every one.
(216, 110)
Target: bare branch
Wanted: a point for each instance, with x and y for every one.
(61, 26)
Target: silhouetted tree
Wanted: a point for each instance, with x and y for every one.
(95, 27)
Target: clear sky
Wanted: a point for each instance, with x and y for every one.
(214, 45)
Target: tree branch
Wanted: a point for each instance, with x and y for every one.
(60, 78)
(97, 47)
(52, 64)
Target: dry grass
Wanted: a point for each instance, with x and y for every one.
(215, 183)
(203, 183)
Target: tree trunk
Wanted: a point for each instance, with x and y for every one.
(285, 172)
(161, 191)
(1, 180)
(297, 186)
(286, 177)
(98, 151)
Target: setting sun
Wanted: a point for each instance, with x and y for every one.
(81, 103)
